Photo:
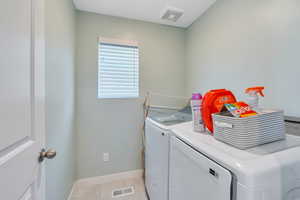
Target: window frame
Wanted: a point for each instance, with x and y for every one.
(117, 42)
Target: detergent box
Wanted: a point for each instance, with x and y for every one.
(239, 109)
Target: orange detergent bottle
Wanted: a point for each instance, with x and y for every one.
(213, 102)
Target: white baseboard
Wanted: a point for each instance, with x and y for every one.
(71, 192)
(111, 177)
(107, 178)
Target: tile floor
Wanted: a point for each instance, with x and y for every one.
(104, 191)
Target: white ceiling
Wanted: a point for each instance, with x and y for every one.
(147, 10)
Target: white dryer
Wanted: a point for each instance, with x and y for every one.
(204, 168)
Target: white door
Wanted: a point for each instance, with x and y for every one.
(21, 99)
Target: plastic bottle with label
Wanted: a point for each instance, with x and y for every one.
(253, 97)
(196, 105)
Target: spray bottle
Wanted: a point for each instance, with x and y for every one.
(253, 97)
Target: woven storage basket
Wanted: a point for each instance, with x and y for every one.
(244, 133)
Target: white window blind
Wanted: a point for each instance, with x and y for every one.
(118, 69)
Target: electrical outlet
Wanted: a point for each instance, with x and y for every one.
(105, 157)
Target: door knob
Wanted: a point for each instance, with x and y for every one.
(50, 154)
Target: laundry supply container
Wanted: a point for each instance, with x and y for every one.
(244, 133)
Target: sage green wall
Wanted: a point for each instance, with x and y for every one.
(60, 86)
(237, 44)
(114, 125)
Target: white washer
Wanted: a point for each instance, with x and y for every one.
(157, 160)
(157, 140)
(204, 168)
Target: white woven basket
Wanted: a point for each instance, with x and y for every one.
(244, 133)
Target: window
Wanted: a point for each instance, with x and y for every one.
(118, 69)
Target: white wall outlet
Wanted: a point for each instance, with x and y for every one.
(105, 157)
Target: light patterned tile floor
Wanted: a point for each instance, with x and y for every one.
(104, 191)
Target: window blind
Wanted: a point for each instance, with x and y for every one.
(118, 73)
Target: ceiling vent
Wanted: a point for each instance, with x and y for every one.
(172, 14)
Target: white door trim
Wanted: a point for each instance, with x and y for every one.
(40, 84)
